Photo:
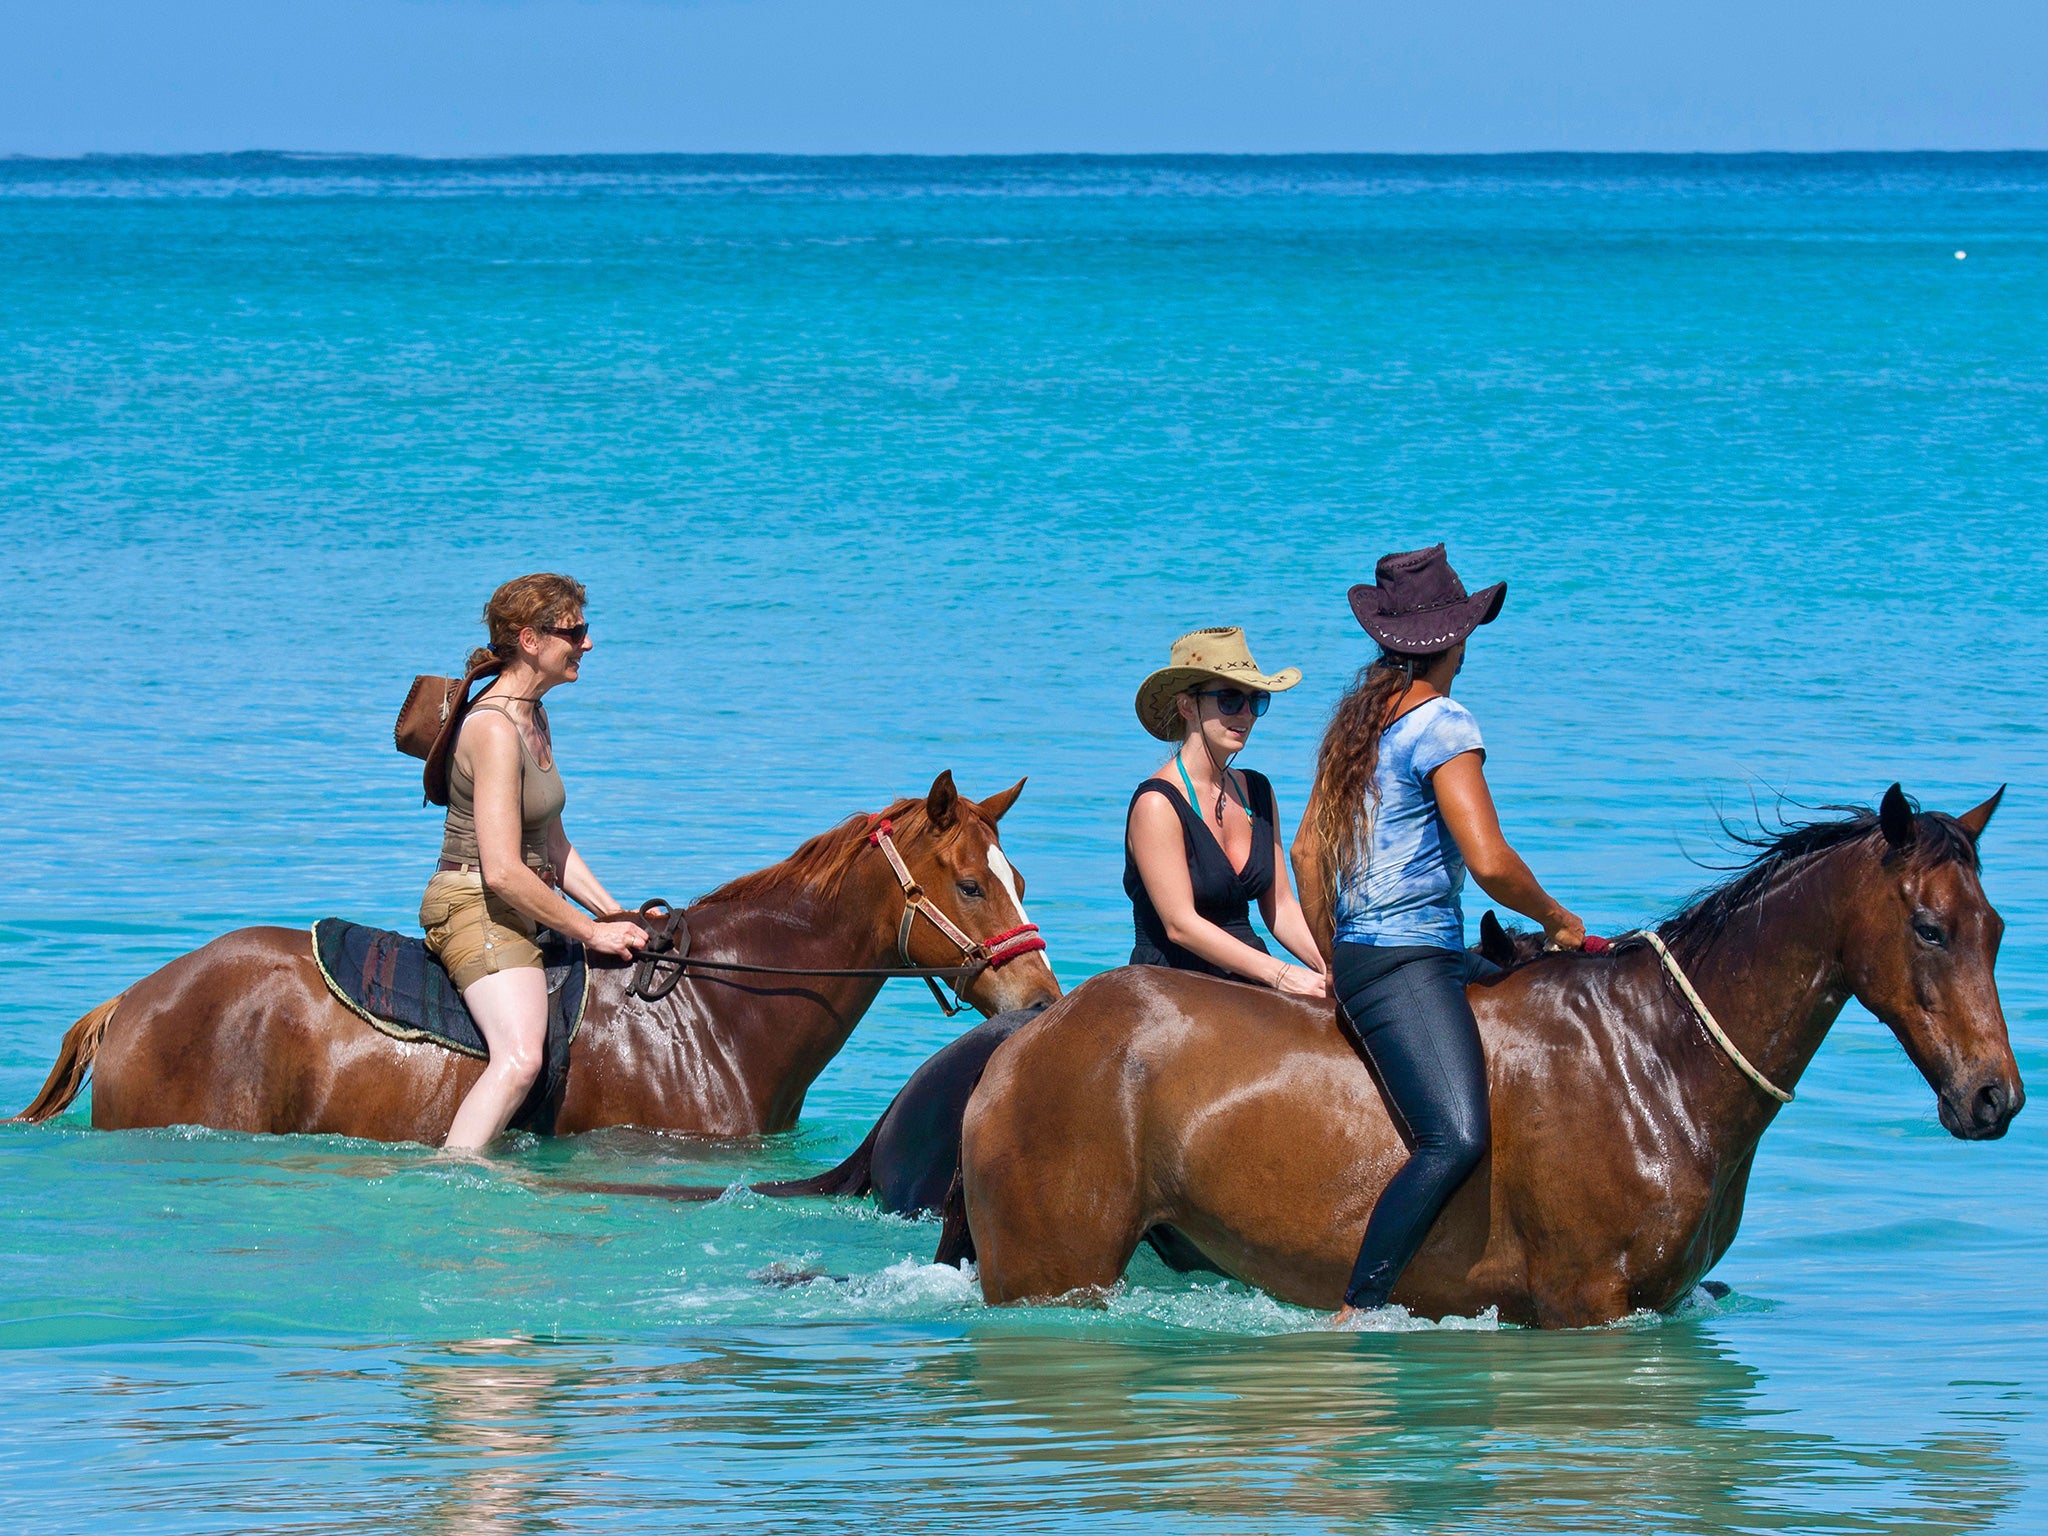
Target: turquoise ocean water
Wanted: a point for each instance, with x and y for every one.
(880, 467)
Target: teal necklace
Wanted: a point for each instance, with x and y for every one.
(1221, 795)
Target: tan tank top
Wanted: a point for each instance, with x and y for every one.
(541, 798)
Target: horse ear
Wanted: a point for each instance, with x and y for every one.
(994, 806)
(1494, 943)
(940, 804)
(1895, 816)
(1975, 820)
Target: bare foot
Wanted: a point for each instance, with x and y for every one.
(1342, 1317)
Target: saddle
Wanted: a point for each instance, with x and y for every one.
(396, 985)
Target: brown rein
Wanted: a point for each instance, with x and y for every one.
(668, 939)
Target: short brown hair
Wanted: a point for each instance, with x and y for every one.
(529, 602)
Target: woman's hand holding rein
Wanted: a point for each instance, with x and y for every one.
(1564, 931)
(618, 940)
(524, 889)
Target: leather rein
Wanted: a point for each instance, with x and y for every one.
(666, 960)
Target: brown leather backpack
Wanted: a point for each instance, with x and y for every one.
(432, 714)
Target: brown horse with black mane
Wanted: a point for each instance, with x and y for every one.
(1623, 1133)
(243, 1035)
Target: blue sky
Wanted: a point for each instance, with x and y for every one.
(958, 76)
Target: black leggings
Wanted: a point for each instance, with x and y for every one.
(1407, 1012)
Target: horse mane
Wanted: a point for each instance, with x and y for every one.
(820, 865)
(1782, 854)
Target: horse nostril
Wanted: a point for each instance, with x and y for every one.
(1988, 1107)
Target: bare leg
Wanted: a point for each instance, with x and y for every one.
(511, 1012)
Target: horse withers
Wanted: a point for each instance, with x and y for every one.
(1623, 1133)
(244, 1035)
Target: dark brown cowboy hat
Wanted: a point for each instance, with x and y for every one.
(1416, 605)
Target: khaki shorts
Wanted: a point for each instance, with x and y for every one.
(474, 933)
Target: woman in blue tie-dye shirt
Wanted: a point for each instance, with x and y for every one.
(1399, 812)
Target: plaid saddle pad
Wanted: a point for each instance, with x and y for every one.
(393, 983)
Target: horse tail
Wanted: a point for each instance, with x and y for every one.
(73, 1065)
(956, 1238)
(855, 1176)
(852, 1177)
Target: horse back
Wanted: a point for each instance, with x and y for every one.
(243, 1035)
(1248, 1121)
(1146, 1097)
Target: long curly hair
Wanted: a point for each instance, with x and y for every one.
(1347, 783)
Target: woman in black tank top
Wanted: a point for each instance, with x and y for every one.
(1201, 839)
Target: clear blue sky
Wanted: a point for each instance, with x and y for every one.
(955, 76)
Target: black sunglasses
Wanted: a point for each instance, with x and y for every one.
(575, 634)
(1235, 701)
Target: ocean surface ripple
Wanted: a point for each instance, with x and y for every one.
(876, 467)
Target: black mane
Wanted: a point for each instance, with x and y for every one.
(1782, 854)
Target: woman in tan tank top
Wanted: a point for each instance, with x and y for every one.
(506, 864)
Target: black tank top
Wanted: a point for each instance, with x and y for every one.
(1222, 895)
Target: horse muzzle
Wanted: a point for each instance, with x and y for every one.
(1981, 1110)
(1002, 989)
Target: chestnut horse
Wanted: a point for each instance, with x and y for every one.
(243, 1035)
(1623, 1134)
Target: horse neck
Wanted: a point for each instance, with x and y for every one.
(1773, 978)
(785, 1029)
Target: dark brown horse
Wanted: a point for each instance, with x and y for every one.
(243, 1035)
(1622, 1133)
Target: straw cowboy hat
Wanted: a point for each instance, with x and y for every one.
(1416, 605)
(1207, 655)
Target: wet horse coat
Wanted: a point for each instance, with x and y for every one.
(1622, 1134)
(244, 1035)
(910, 1159)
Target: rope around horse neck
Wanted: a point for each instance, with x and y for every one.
(1706, 1017)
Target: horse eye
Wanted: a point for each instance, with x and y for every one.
(970, 889)
(1929, 934)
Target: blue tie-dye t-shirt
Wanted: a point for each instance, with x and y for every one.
(1407, 893)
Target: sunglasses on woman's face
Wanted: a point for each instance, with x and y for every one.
(575, 634)
(1235, 701)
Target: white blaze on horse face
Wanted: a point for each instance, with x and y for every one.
(1008, 876)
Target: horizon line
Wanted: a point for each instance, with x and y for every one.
(485, 157)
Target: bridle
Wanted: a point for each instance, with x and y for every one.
(991, 953)
(668, 944)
